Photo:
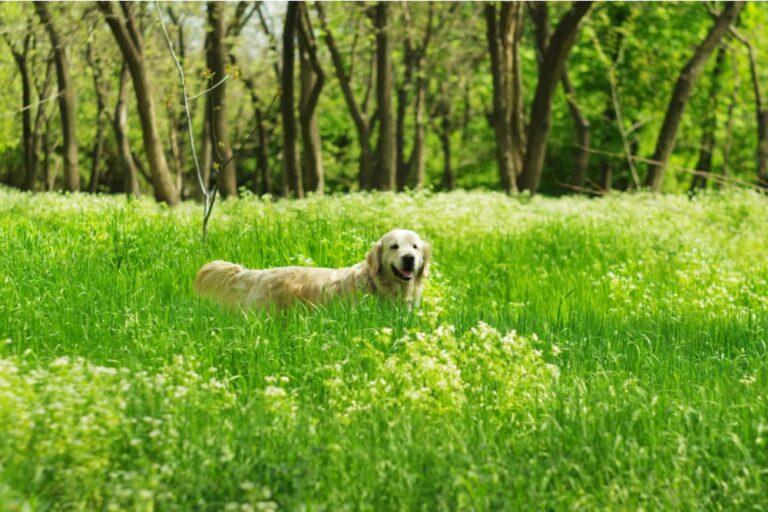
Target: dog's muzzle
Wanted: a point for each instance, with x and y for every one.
(403, 275)
(408, 262)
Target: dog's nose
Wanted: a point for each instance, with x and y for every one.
(408, 262)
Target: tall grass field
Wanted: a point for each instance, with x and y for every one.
(569, 353)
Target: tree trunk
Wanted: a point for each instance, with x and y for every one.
(606, 175)
(682, 92)
(581, 124)
(67, 100)
(449, 180)
(416, 164)
(517, 105)
(30, 154)
(292, 182)
(42, 118)
(98, 143)
(762, 149)
(179, 124)
(27, 139)
(50, 175)
(120, 126)
(550, 73)
(540, 16)
(129, 39)
(217, 59)
(312, 80)
(173, 141)
(402, 106)
(709, 126)
(500, 33)
(206, 148)
(761, 111)
(409, 63)
(177, 121)
(412, 172)
(265, 176)
(384, 178)
(727, 143)
(359, 116)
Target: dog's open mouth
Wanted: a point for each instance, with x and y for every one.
(405, 275)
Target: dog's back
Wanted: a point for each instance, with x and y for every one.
(236, 286)
(223, 281)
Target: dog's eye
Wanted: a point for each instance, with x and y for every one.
(414, 246)
(394, 247)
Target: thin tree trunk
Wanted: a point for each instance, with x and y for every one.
(416, 163)
(217, 59)
(42, 118)
(98, 144)
(173, 141)
(120, 126)
(129, 39)
(550, 73)
(761, 111)
(30, 156)
(177, 122)
(606, 175)
(50, 175)
(449, 180)
(262, 155)
(540, 16)
(262, 183)
(709, 126)
(272, 41)
(500, 33)
(384, 178)
(682, 92)
(67, 100)
(409, 63)
(46, 147)
(312, 81)
(581, 124)
(412, 171)
(517, 106)
(401, 165)
(359, 116)
(292, 182)
(206, 150)
(206, 147)
(727, 143)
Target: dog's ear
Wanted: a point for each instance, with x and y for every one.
(426, 254)
(373, 259)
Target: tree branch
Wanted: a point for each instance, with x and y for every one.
(209, 197)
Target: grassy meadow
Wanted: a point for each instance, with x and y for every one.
(570, 353)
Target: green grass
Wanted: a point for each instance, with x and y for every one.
(635, 377)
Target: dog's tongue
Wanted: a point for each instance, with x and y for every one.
(407, 273)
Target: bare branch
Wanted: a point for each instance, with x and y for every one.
(613, 83)
(719, 178)
(271, 37)
(31, 105)
(241, 18)
(226, 77)
(208, 197)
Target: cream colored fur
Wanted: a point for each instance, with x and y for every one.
(236, 286)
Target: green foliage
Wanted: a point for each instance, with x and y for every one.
(653, 42)
(571, 353)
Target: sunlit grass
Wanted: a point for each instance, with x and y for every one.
(570, 353)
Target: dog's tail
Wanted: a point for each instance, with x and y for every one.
(223, 282)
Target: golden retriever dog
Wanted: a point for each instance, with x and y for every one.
(395, 267)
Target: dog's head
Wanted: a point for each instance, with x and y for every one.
(400, 257)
